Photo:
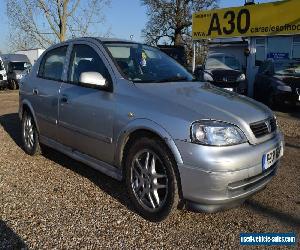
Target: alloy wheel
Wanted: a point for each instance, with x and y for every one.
(149, 180)
(29, 132)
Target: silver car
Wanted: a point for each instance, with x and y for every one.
(133, 113)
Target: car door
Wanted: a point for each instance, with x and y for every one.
(45, 89)
(86, 114)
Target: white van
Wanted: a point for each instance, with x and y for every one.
(16, 65)
(3, 74)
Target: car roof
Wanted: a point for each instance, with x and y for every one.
(15, 58)
(102, 39)
(93, 39)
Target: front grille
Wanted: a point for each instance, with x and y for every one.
(225, 78)
(263, 128)
(232, 85)
(231, 79)
(273, 124)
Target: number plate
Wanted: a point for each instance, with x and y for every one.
(230, 89)
(272, 156)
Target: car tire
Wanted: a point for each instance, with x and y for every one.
(30, 136)
(152, 187)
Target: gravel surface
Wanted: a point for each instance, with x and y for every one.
(52, 201)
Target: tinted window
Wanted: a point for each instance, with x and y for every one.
(85, 59)
(53, 64)
(222, 62)
(19, 66)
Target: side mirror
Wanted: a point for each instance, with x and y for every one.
(93, 80)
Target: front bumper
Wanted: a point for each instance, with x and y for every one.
(215, 178)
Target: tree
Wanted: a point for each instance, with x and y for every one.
(170, 21)
(45, 22)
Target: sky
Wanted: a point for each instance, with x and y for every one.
(124, 17)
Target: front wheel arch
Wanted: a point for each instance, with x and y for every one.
(141, 133)
(26, 106)
(29, 130)
(148, 126)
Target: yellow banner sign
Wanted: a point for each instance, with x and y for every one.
(269, 19)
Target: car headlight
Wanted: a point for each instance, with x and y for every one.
(215, 133)
(241, 78)
(207, 77)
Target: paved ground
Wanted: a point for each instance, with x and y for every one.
(52, 201)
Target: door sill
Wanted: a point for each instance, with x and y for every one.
(101, 166)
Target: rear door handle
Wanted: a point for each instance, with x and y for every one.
(35, 91)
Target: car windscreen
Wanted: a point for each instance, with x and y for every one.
(287, 68)
(144, 64)
(223, 62)
(19, 66)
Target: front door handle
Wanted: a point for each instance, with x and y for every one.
(64, 99)
(35, 91)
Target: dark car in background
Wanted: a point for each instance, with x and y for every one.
(176, 52)
(224, 71)
(278, 82)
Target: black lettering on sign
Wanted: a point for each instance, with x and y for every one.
(246, 14)
(215, 25)
(239, 22)
(229, 14)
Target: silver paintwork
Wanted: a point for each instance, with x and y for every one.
(93, 126)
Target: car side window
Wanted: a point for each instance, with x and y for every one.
(52, 64)
(85, 59)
